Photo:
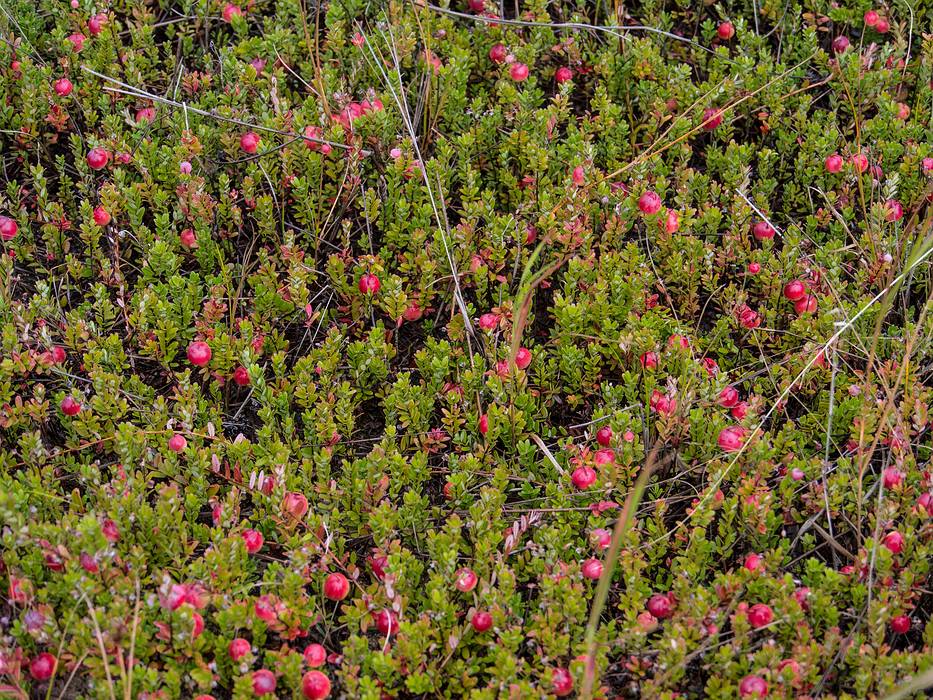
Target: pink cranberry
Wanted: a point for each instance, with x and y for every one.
(806, 305)
(871, 18)
(753, 562)
(583, 477)
(77, 41)
(712, 118)
(604, 436)
(70, 407)
(263, 682)
(860, 162)
(188, 238)
(369, 284)
(592, 569)
(386, 622)
(763, 231)
(241, 376)
(760, 615)
(523, 358)
(561, 682)
(753, 687)
(894, 542)
(465, 580)
(481, 621)
(892, 477)
(563, 75)
(315, 685)
(230, 11)
(754, 268)
(731, 439)
(238, 648)
(199, 353)
(834, 163)
(498, 53)
(795, 290)
(728, 397)
(43, 666)
(63, 87)
(249, 142)
(660, 605)
(97, 158)
(177, 443)
(315, 655)
(649, 360)
(518, 72)
(145, 114)
(649, 203)
(253, 540)
(840, 44)
(900, 624)
(8, 228)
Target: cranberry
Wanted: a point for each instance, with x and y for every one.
(315, 655)
(241, 376)
(481, 621)
(760, 615)
(900, 624)
(97, 158)
(753, 687)
(263, 682)
(488, 321)
(238, 648)
(315, 685)
(649, 203)
(177, 443)
(483, 424)
(649, 360)
(188, 238)
(498, 53)
(753, 562)
(728, 397)
(660, 605)
(249, 142)
(882, 25)
(894, 542)
(8, 228)
(583, 477)
(336, 586)
(518, 72)
(563, 75)
(763, 231)
(386, 622)
(466, 580)
(43, 666)
(101, 216)
(230, 11)
(840, 44)
(63, 87)
(795, 290)
(561, 682)
(806, 305)
(895, 212)
(712, 118)
(253, 540)
(892, 477)
(145, 114)
(369, 283)
(592, 569)
(731, 439)
(70, 407)
(523, 358)
(604, 436)
(871, 18)
(834, 163)
(199, 353)
(725, 30)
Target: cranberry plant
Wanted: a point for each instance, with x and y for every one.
(465, 349)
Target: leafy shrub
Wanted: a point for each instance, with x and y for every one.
(500, 327)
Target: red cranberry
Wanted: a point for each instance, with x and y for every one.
(728, 397)
(315, 655)
(369, 284)
(63, 87)
(230, 11)
(481, 621)
(523, 358)
(466, 580)
(731, 439)
(97, 158)
(725, 30)
(649, 203)
(238, 648)
(563, 75)
(840, 44)
(895, 212)
(263, 682)
(101, 216)
(315, 685)
(894, 542)
(518, 72)
(70, 407)
(592, 569)
(760, 615)
(900, 624)
(604, 436)
(712, 118)
(795, 290)
(753, 562)
(871, 18)
(583, 477)
(484, 424)
(199, 353)
(386, 622)
(241, 376)
(806, 305)
(834, 163)
(649, 360)
(177, 443)
(43, 666)
(498, 53)
(660, 605)
(561, 682)
(336, 586)
(253, 540)
(8, 228)
(753, 687)
(249, 142)
(763, 231)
